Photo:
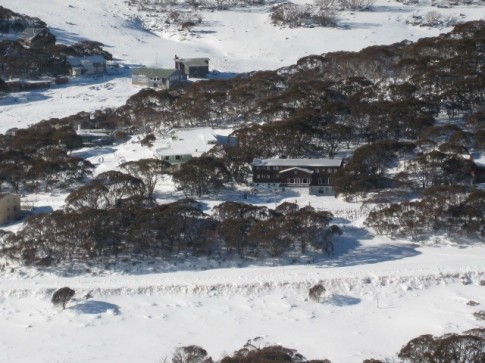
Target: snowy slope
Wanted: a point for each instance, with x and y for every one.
(241, 39)
(237, 40)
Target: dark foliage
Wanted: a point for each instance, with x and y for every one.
(11, 22)
(201, 176)
(96, 226)
(455, 210)
(253, 352)
(466, 348)
(38, 158)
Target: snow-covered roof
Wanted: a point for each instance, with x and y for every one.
(298, 162)
(194, 62)
(153, 72)
(184, 141)
(78, 61)
(308, 171)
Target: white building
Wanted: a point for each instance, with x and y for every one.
(88, 65)
(181, 145)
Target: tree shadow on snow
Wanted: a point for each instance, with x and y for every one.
(342, 300)
(96, 307)
(349, 251)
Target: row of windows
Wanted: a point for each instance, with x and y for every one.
(177, 157)
(320, 181)
(298, 180)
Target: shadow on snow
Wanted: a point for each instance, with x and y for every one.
(342, 300)
(96, 307)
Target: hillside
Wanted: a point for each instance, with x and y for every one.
(240, 39)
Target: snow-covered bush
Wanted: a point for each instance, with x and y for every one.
(294, 16)
(344, 4)
(433, 19)
(356, 4)
(479, 315)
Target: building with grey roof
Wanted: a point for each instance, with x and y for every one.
(157, 78)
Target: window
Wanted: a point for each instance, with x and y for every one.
(317, 170)
(295, 172)
(320, 181)
(178, 157)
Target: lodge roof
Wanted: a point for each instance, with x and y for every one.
(153, 72)
(298, 162)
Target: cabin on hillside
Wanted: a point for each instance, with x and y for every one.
(314, 174)
(9, 208)
(87, 65)
(157, 78)
(180, 145)
(193, 67)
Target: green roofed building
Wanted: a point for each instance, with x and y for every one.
(157, 78)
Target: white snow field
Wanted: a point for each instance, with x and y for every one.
(380, 292)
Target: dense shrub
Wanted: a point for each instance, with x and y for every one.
(316, 292)
(447, 348)
(62, 296)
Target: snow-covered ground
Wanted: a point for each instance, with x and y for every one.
(376, 302)
(381, 292)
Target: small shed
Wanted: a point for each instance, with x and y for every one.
(193, 67)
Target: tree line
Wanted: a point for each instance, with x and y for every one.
(464, 347)
(117, 218)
